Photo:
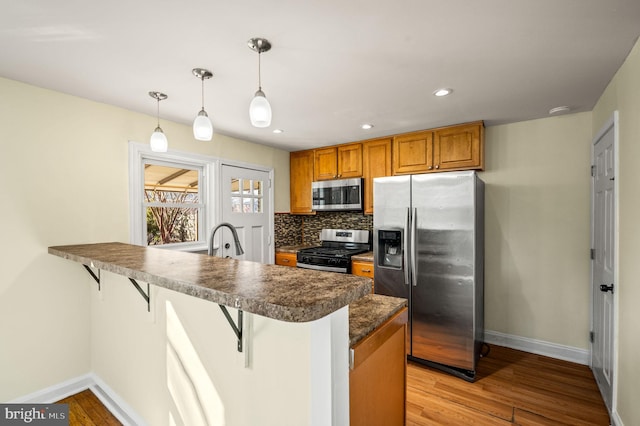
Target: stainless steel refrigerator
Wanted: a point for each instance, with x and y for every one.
(428, 248)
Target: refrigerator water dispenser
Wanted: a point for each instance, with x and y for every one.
(390, 248)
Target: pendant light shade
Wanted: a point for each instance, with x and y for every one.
(202, 127)
(158, 141)
(259, 109)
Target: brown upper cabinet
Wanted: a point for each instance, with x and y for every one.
(301, 176)
(459, 147)
(338, 162)
(449, 148)
(376, 162)
(413, 153)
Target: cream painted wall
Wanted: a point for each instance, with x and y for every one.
(64, 168)
(623, 94)
(537, 229)
(180, 361)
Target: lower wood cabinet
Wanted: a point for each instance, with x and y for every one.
(363, 269)
(286, 259)
(378, 380)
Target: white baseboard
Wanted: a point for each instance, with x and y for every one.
(114, 403)
(540, 347)
(615, 419)
(57, 392)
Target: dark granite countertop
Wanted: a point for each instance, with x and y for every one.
(364, 257)
(367, 313)
(278, 292)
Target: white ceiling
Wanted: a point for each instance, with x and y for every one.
(334, 64)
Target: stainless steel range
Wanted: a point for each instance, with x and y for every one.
(334, 255)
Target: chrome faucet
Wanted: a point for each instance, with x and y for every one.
(236, 241)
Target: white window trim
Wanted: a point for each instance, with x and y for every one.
(210, 165)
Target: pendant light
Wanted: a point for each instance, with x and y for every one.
(202, 127)
(259, 110)
(158, 140)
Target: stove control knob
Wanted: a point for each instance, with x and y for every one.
(305, 259)
(333, 261)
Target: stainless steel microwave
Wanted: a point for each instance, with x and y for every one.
(340, 194)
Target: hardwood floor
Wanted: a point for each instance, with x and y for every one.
(512, 387)
(85, 409)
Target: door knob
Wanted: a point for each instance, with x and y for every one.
(227, 245)
(605, 288)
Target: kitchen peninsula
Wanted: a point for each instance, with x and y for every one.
(293, 368)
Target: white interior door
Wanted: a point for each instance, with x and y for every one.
(246, 205)
(603, 264)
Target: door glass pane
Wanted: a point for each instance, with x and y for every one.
(246, 186)
(257, 187)
(235, 186)
(236, 204)
(246, 195)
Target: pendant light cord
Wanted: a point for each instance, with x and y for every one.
(259, 71)
(158, 112)
(203, 92)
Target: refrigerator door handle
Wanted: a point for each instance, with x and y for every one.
(414, 255)
(406, 247)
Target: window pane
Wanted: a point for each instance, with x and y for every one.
(166, 178)
(170, 197)
(257, 205)
(167, 225)
(174, 185)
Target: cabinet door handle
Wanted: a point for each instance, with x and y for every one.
(430, 167)
(437, 166)
(285, 260)
(366, 270)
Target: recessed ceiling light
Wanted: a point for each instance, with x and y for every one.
(443, 92)
(278, 131)
(558, 110)
(367, 126)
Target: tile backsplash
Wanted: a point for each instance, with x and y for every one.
(288, 229)
(293, 229)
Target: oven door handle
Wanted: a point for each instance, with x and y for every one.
(322, 268)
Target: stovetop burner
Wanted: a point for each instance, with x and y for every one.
(333, 251)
